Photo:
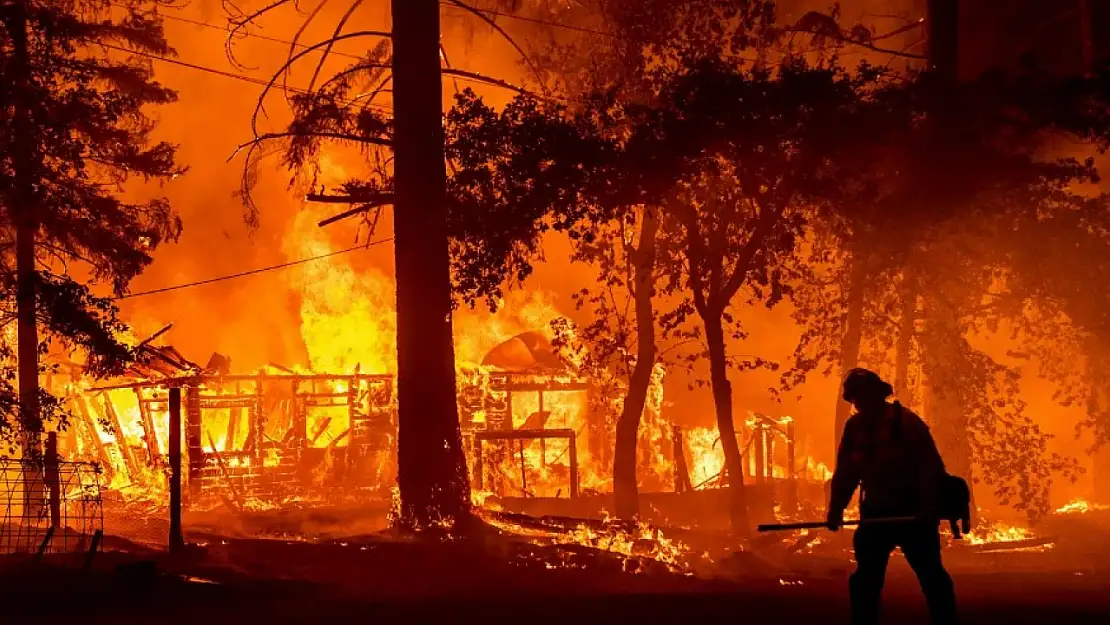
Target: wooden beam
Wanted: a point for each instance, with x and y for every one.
(90, 426)
(121, 439)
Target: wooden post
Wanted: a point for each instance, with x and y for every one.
(257, 416)
(177, 539)
(153, 450)
(234, 417)
(193, 439)
(792, 462)
(53, 483)
(479, 463)
(759, 445)
(681, 471)
(769, 436)
(573, 468)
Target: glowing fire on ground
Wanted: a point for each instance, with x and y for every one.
(1080, 506)
(997, 533)
(642, 541)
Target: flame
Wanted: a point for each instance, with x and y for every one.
(642, 541)
(998, 533)
(1080, 506)
(817, 471)
(347, 323)
(707, 457)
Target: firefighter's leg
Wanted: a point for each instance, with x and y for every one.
(872, 546)
(921, 545)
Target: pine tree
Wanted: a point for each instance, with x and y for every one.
(75, 79)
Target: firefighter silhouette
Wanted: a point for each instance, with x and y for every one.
(888, 452)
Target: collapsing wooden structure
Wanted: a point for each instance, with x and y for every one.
(531, 425)
(494, 440)
(276, 436)
(264, 436)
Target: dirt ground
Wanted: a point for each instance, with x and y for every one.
(374, 580)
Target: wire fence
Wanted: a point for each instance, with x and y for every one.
(50, 507)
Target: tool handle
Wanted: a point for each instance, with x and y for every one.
(814, 525)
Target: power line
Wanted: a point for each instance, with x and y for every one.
(180, 63)
(217, 72)
(224, 30)
(209, 25)
(490, 12)
(532, 20)
(253, 271)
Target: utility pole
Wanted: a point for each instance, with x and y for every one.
(431, 468)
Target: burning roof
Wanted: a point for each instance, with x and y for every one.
(525, 352)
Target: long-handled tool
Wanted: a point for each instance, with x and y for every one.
(954, 502)
(816, 525)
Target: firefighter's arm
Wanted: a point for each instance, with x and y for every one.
(845, 479)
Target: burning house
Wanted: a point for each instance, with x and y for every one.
(527, 421)
(264, 438)
(533, 427)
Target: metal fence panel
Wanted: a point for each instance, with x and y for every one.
(49, 508)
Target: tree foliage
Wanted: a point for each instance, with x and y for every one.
(80, 75)
(959, 258)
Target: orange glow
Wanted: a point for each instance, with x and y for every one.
(338, 315)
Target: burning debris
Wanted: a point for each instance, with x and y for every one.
(537, 434)
(1080, 506)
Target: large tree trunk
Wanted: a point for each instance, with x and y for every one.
(431, 468)
(625, 484)
(948, 417)
(722, 401)
(904, 345)
(27, 337)
(850, 342)
(1097, 412)
(23, 186)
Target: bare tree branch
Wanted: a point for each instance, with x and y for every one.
(381, 199)
(335, 33)
(271, 136)
(501, 31)
(296, 57)
(240, 24)
(358, 210)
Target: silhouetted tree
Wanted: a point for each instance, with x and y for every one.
(76, 88)
(475, 218)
